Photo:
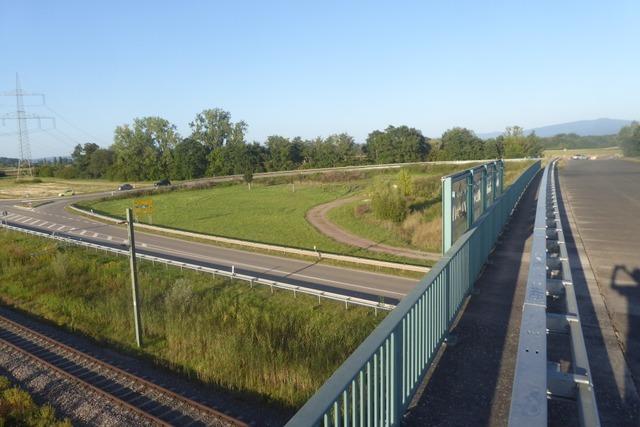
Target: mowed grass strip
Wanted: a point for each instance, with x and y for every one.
(246, 340)
(272, 214)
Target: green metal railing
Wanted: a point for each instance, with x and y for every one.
(466, 195)
(374, 386)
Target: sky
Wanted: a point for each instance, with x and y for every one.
(316, 68)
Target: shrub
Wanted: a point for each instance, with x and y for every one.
(426, 187)
(388, 203)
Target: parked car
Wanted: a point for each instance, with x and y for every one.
(579, 157)
(125, 187)
(68, 192)
(162, 183)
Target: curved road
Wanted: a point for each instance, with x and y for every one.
(317, 216)
(53, 217)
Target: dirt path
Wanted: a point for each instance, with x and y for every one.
(317, 216)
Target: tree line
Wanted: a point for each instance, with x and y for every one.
(150, 148)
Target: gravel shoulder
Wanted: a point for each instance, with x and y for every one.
(317, 216)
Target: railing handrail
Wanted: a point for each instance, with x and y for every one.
(320, 403)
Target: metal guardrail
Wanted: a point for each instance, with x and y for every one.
(252, 280)
(536, 378)
(374, 386)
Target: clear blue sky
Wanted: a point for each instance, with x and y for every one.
(316, 68)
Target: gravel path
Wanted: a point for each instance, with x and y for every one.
(317, 216)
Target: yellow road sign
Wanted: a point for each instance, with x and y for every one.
(143, 206)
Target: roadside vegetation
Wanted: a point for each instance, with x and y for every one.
(246, 340)
(17, 408)
(150, 149)
(404, 210)
(274, 212)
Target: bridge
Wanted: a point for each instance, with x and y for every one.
(530, 318)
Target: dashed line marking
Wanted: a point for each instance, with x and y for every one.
(62, 227)
(83, 232)
(95, 234)
(52, 225)
(109, 237)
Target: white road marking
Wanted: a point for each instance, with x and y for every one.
(144, 245)
(109, 237)
(83, 232)
(287, 273)
(62, 227)
(52, 225)
(95, 234)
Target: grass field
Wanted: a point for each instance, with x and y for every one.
(17, 408)
(266, 213)
(421, 230)
(599, 152)
(51, 187)
(275, 346)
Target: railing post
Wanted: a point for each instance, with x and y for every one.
(447, 208)
(398, 375)
(484, 188)
(470, 212)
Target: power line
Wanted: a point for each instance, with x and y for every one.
(74, 126)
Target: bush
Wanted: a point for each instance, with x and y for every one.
(427, 187)
(388, 203)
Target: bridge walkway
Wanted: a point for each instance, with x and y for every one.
(471, 382)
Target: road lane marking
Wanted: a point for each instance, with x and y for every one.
(109, 237)
(286, 274)
(52, 225)
(95, 234)
(62, 227)
(83, 232)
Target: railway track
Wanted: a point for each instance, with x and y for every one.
(153, 403)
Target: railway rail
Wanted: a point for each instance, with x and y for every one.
(153, 403)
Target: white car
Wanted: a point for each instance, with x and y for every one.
(66, 193)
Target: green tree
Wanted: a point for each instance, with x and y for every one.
(396, 145)
(462, 144)
(405, 182)
(629, 140)
(283, 154)
(190, 159)
(212, 128)
(144, 150)
(517, 145)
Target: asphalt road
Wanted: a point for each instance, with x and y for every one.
(604, 199)
(52, 217)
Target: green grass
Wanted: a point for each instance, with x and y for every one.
(267, 213)
(421, 230)
(221, 332)
(17, 408)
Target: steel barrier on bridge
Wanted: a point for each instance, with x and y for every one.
(374, 386)
(252, 280)
(536, 378)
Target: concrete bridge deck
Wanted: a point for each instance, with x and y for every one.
(471, 383)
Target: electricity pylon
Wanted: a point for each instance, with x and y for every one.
(21, 116)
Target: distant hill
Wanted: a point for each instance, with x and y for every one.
(595, 127)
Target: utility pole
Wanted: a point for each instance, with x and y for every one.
(24, 163)
(134, 279)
